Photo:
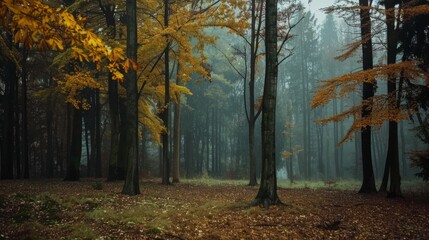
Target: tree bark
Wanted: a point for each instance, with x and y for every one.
(176, 140)
(8, 148)
(267, 194)
(97, 135)
(131, 186)
(49, 135)
(113, 164)
(75, 148)
(165, 160)
(26, 160)
(368, 182)
(392, 149)
(252, 118)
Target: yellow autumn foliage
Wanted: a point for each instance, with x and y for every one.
(35, 25)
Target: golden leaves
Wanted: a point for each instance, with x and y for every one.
(36, 25)
(72, 84)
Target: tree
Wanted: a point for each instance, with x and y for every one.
(131, 185)
(412, 39)
(251, 117)
(73, 161)
(368, 181)
(8, 141)
(392, 161)
(165, 111)
(301, 72)
(329, 41)
(34, 25)
(267, 194)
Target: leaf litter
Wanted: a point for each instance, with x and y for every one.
(61, 210)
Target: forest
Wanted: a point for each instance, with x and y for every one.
(214, 119)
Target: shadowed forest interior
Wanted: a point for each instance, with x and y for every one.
(243, 98)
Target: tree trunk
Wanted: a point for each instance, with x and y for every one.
(17, 150)
(267, 194)
(403, 153)
(336, 150)
(97, 135)
(131, 185)
(26, 160)
(176, 150)
(8, 121)
(368, 181)
(176, 140)
(252, 118)
(165, 160)
(75, 148)
(49, 173)
(392, 148)
(123, 139)
(113, 165)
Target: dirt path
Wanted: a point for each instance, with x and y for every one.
(61, 210)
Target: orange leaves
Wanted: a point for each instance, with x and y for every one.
(381, 109)
(341, 86)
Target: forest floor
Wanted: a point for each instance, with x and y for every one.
(53, 209)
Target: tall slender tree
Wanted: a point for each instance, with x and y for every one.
(267, 194)
(392, 161)
(368, 180)
(10, 80)
(176, 139)
(131, 186)
(75, 147)
(165, 110)
(255, 31)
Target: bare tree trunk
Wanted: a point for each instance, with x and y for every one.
(97, 135)
(368, 182)
(8, 121)
(131, 186)
(26, 160)
(49, 143)
(392, 149)
(267, 194)
(75, 147)
(251, 117)
(113, 165)
(176, 140)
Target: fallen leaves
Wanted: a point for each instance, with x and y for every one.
(55, 209)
